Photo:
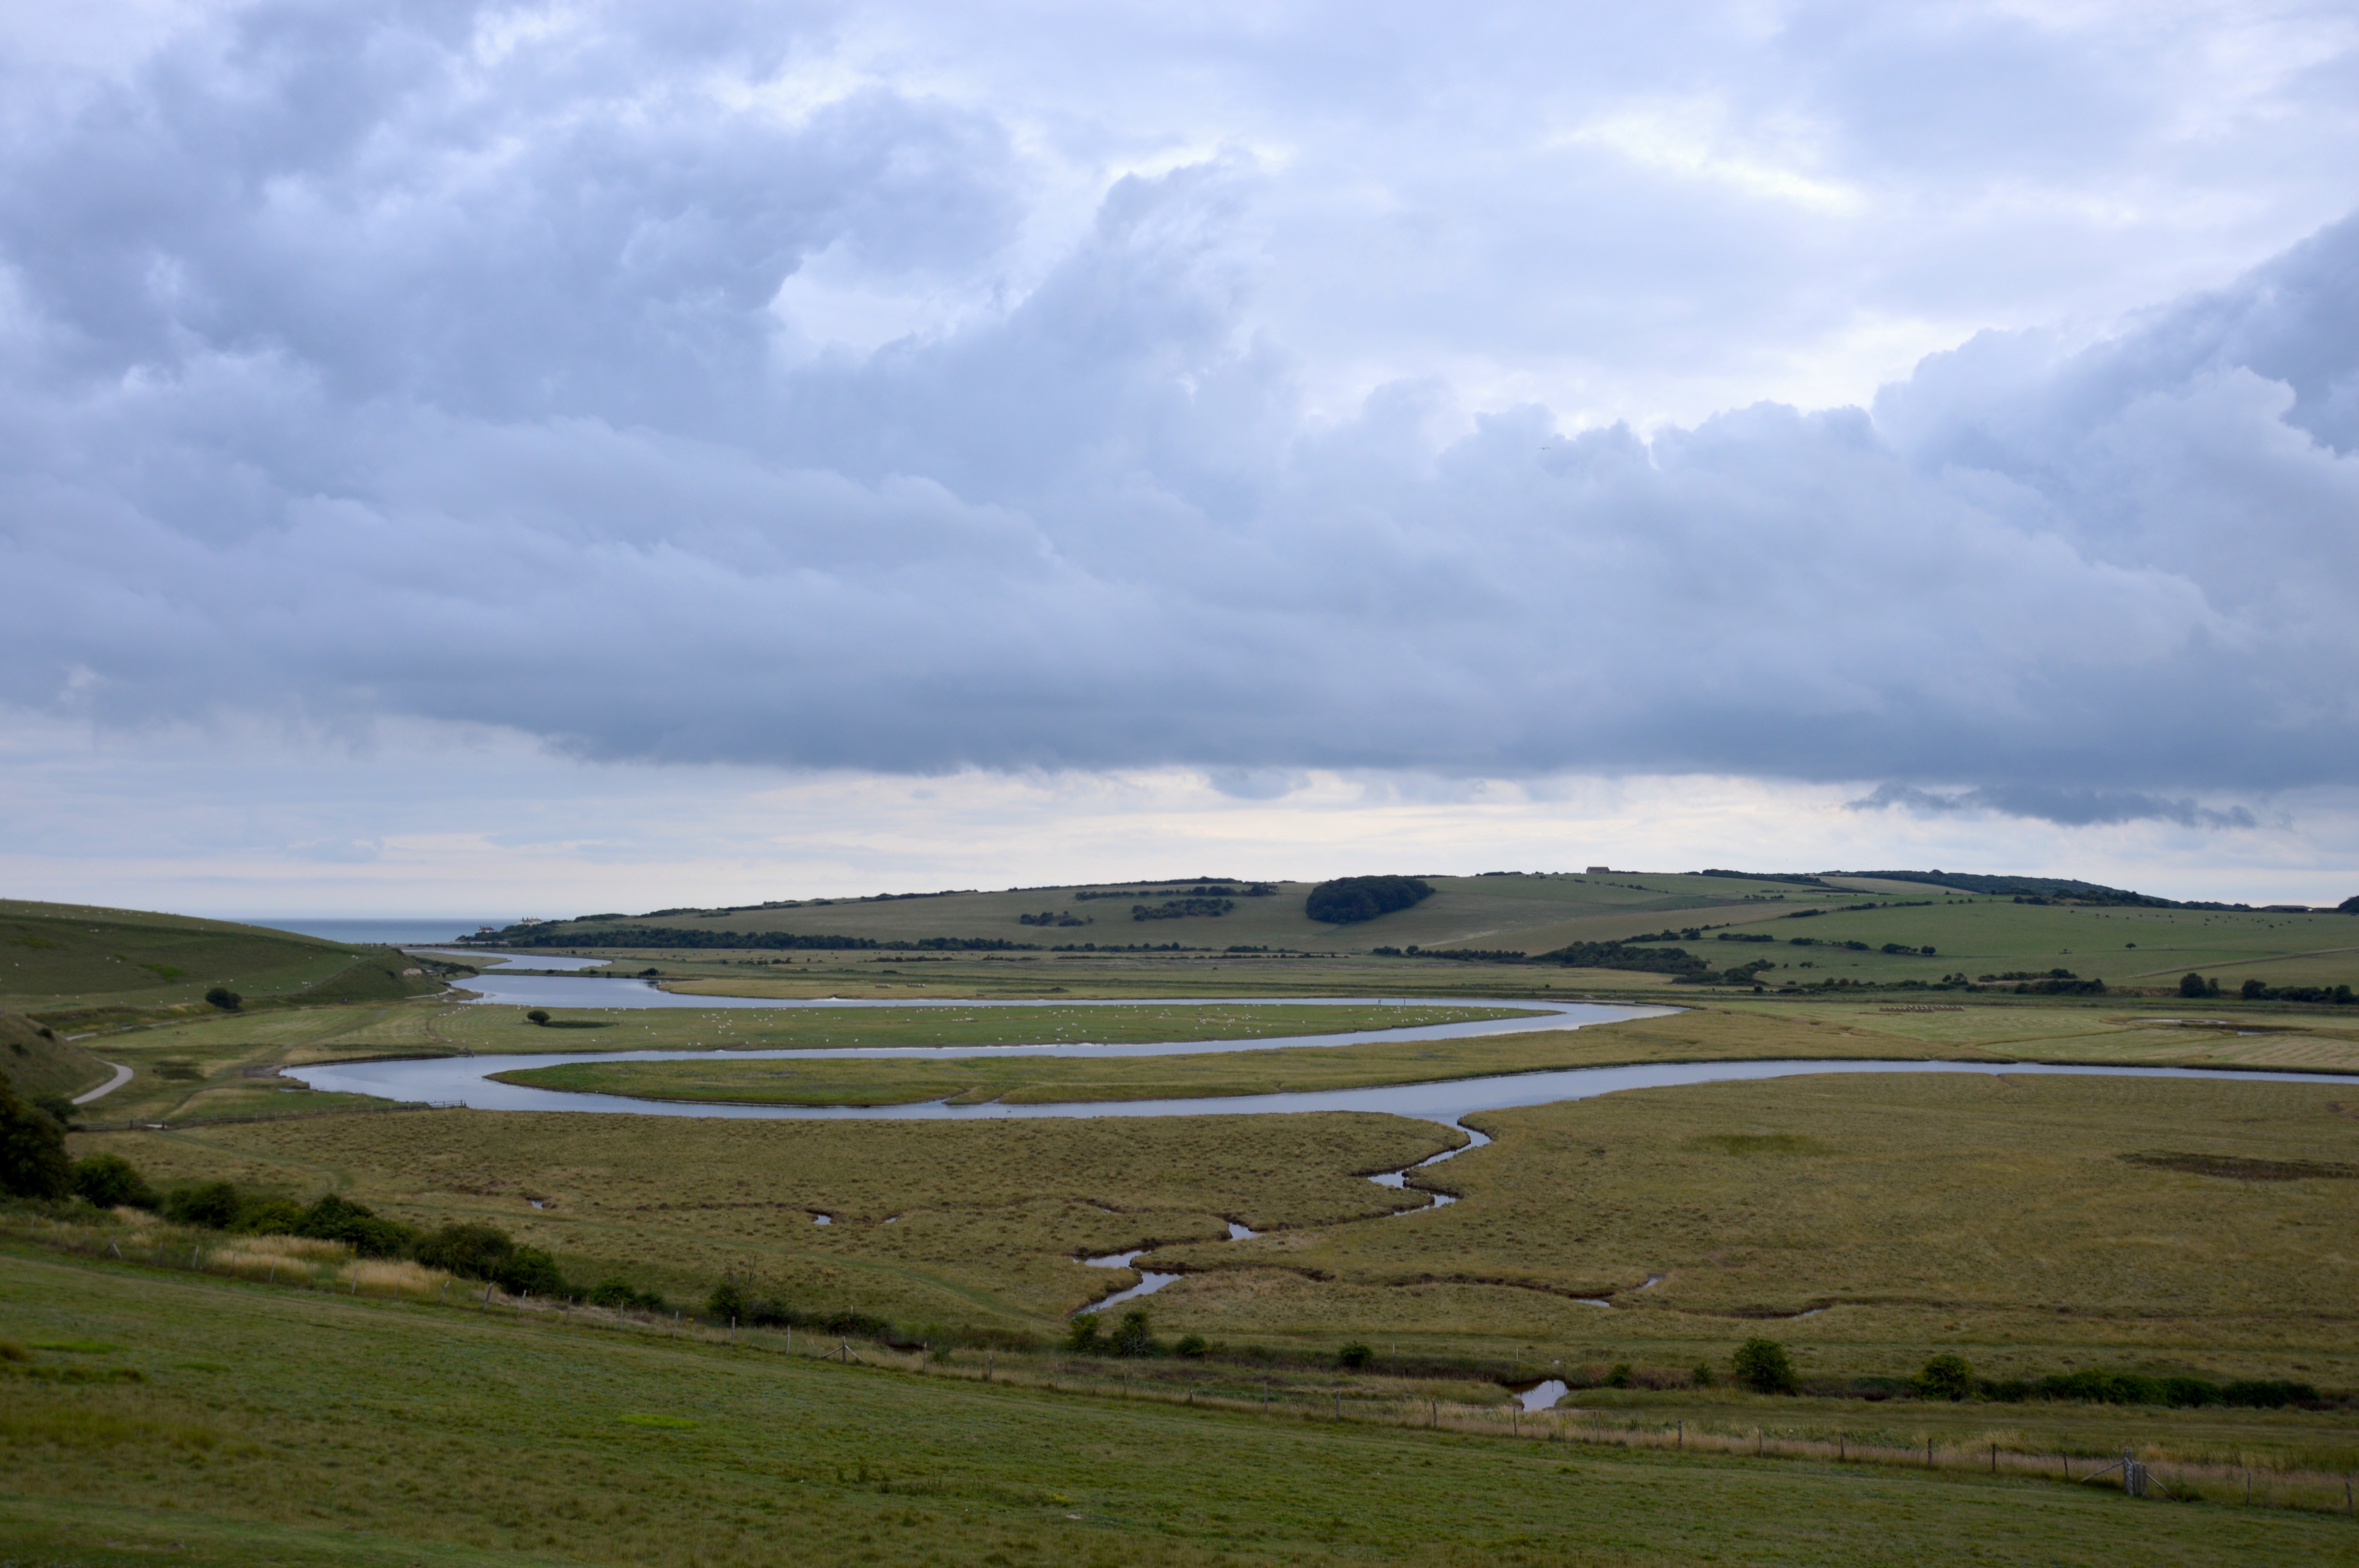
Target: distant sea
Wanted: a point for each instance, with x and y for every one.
(405, 932)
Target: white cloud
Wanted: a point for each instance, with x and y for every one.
(908, 391)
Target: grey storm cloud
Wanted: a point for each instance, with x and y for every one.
(350, 369)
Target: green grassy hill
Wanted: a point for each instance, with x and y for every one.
(36, 1061)
(81, 965)
(1526, 912)
(2128, 945)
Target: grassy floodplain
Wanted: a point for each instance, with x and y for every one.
(404, 1434)
(2180, 1227)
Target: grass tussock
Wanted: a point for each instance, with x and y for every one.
(391, 1277)
(283, 1250)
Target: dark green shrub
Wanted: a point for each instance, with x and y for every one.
(2189, 1392)
(1132, 1336)
(110, 1181)
(225, 998)
(213, 1206)
(1618, 1375)
(2192, 985)
(1703, 1377)
(471, 1251)
(619, 1293)
(1761, 1365)
(1354, 1356)
(1191, 1345)
(528, 1269)
(270, 1216)
(2096, 1387)
(2255, 990)
(58, 1109)
(1945, 1377)
(2267, 1394)
(538, 1015)
(333, 1218)
(33, 1162)
(2007, 1391)
(727, 1304)
(1082, 1333)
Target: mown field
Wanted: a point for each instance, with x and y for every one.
(310, 1429)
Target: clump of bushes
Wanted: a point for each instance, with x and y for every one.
(620, 1293)
(486, 1252)
(1762, 1366)
(110, 1181)
(33, 1162)
(1351, 1358)
(1950, 1377)
(1945, 1377)
(219, 1205)
(1349, 899)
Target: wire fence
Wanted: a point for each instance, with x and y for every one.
(2152, 1474)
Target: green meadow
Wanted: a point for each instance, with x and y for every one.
(2034, 1224)
(153, 1416)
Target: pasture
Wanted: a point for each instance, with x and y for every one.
(210, 1421)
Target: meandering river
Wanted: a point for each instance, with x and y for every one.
(467, 1080)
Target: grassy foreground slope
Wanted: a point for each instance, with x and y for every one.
(303, 1429)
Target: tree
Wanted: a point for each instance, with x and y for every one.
(1192, 1346)
(212, 1205)
(470, 1251)
(224, 997)
(1945, 1377)
(1703, 1377)
(1354, 1356)
(110, 1181)
(1082, 1333)
(58, 1109)
(33, 1162)
(1761, 1365)
(2348, 906)
(538, 1015)
(528, 1271)
(1132, 1335)
(727, 1304)
(2256, 990)
(2190, 984)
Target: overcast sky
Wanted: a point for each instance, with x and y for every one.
(510, 459)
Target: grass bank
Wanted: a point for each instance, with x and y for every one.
(228, 1421)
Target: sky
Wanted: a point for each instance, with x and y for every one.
(531, 459)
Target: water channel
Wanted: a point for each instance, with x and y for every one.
(467, 1080)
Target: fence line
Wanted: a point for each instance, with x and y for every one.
(2185, 1480)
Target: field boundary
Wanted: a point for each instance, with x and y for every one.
(2259, 1486)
